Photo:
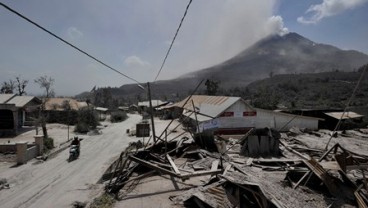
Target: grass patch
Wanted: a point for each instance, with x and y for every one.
(103, 201)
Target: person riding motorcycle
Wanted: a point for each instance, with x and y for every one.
(76, 142)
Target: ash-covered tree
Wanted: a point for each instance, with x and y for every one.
(46, 83)
(21, 84)
(7, 87)
(17, 86)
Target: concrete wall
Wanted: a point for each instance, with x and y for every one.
(26, 152)
(280, 120)
(32, 152)
(7, 148)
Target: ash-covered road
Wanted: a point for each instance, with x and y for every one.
(57, 183)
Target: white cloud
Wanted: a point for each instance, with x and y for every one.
(276, 25)
(329, 8)
(135, 61)
(74, 33)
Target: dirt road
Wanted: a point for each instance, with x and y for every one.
(57, 183)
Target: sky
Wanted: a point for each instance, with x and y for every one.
(133, 36)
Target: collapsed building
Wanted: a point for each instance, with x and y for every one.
(258, 167)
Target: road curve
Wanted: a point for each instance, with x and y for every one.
(57, 183)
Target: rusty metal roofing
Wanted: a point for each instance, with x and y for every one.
(347, 115)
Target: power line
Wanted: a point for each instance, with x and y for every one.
(66, 42)
(347, 105)
(172, 42)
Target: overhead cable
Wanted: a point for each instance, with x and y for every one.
(347, 105)
(66, 42)
(172, 42)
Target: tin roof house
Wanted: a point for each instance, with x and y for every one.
(232, 115)
(16, 111)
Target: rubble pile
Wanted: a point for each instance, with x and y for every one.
(262, 168)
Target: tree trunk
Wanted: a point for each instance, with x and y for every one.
(44, 129)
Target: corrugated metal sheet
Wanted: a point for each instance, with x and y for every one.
(18, 101)
(347, 115)
(154, 103)
(5, 97)
(101, 109)
(21, 101)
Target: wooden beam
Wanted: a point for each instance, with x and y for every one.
(173, 164)
(153, 166)
(200, 173)
(215, 164)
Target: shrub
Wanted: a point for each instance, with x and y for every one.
(48, 143)
(103, 201)
(87, 120)
(81, 127)
(118, 116)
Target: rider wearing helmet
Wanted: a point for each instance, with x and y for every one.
(76, 142)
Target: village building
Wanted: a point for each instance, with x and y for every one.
(330, 117)
(144, 105)
(63, 110)
(232, 115)
(17, 111)
(102, 113)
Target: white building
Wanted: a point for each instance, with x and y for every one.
(232, 115)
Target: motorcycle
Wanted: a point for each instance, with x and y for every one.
(73, 152)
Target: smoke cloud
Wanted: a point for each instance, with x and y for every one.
(329, 8)
(220, 32)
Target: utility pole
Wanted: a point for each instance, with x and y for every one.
(151, 111)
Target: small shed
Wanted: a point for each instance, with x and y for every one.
(16, 111)
(102, 112)
(349, 120)
(144, 105)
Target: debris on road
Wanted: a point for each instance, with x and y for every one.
(263, 168)
(4, 184)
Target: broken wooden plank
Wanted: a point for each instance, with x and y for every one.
(294, 151)
(200, 173)
(227, 169)
(172, 164)
(270, 160)
(153, 166)
(169, 166)
(215, 164)
(357, 167)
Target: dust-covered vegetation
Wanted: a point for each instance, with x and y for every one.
(319, 90)
(87, 120)
(118, 116)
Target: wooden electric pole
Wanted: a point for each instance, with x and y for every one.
(151, 111)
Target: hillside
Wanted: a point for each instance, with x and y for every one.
(317, 90)
(288, 54)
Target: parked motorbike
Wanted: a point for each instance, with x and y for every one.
(73, 152)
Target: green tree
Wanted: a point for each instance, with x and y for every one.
(212, 87)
